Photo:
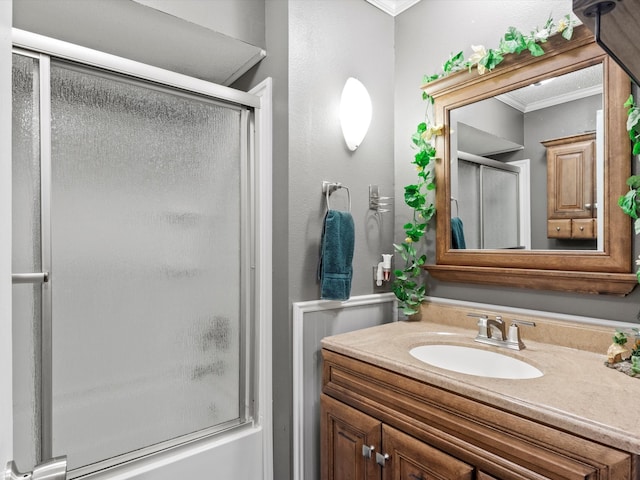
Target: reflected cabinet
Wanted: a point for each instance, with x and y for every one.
(571, 172)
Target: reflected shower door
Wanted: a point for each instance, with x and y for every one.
(467, 205)
(500, 208)
(147, 240)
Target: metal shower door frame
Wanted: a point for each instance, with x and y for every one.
(39, 48)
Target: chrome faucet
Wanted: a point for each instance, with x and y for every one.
(496, 327)
(493, 331)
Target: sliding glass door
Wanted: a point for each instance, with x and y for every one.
(134, 199)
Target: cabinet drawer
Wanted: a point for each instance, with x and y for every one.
(583, 228)
(559, 228)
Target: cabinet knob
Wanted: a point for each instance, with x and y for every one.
(587, 206)
(367, 451)
(581, 228)
(557, 229)
(382, 459)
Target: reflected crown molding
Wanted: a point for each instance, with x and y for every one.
(393, 7)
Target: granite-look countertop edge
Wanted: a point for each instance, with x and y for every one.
(577, 392)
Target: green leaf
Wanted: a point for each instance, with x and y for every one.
(636, 148)
(636, 226)
(453, 63)
(620, 338)
(633, 181)
(567, 33)
(399, 274)
(633, 118)
(535, 49)
(492, 59)
(513, 41)
(629, 101)
(628, 203)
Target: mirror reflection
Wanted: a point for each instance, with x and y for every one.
(527, 167)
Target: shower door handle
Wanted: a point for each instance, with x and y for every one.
(41, 277)
(52, 469)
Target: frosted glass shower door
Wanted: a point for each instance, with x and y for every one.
(500, 208)
(26, 257)
(146, 242)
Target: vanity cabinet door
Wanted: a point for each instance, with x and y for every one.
(352, 442)
(344, 431)
(411, 459)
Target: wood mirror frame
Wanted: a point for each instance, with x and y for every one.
(587, 271)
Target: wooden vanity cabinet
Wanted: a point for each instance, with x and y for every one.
(431, 433)
(354, 442)
(571, 184)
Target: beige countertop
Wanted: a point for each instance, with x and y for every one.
(577, 392)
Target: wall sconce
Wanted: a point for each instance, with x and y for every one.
(355, 112)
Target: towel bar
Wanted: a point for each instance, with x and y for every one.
(329, 187)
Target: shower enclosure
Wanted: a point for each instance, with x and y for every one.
(488, 202)
(135, 253)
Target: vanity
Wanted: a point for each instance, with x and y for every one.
(388, 415)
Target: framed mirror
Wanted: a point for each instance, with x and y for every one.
(532, 161)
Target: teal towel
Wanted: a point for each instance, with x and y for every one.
(336, 255)
(457, 234)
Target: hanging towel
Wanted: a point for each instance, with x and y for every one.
(336, 255)
(457, 233)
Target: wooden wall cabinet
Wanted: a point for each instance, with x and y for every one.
(420, 431)
(571, 187)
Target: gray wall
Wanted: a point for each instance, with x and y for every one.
(425, 36)
(570, 118)
(276, 66)
(313, 47)
(546, 124)
(234, 18)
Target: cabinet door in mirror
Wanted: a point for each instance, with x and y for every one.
(504, 217)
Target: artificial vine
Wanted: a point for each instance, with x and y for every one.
(630, 203)
(408, 286)
(513, 41)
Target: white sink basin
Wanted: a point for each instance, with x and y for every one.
(473, 361)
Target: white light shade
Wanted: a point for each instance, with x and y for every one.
(355, 112)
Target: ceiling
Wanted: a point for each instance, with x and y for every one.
(561, 89)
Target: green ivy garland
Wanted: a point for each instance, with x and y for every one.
(630, 203)
(408, 286)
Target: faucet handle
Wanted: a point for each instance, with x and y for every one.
(482, 324)
(513, 337)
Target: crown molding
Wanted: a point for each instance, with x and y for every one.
(393, 7)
